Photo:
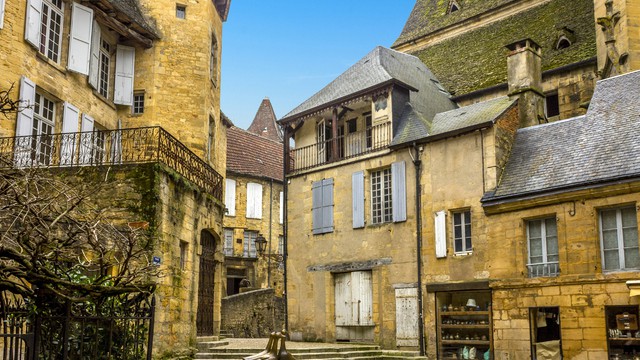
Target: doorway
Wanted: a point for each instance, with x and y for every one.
(206, 298)
(353, 306)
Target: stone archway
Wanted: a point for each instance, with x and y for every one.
(206, 293)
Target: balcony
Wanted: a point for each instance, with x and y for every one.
(110, 147)
(376, 137)
(548, 269)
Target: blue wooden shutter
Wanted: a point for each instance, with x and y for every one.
(316, 207)
(327, 205)
(357, 189)
(398, 191)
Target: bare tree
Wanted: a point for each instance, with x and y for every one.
(55, 236)
(8, 105)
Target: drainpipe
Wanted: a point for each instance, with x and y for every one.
(285, 225)
(418, 165)
(270, 236)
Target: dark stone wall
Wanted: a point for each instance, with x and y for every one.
(253, 314)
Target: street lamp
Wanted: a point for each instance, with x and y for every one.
(261, 244)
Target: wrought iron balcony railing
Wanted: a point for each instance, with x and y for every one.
(374, 138)
(548, 269)
(110, 147)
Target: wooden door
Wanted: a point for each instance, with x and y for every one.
(407, 317)
(204, 319)
(354, 306)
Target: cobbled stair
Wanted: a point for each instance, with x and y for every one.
(217, 350)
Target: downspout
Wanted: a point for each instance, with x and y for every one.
(270, 237)
(418, 165)
(285, 224)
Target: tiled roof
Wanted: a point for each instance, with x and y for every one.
(131, 9)
(381, 66)
(476, 59)
(264, 123)
(416, 128)
(601, 146)
(253, 155)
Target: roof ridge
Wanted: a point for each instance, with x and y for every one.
(254, 134)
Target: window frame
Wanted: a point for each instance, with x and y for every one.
(47, 43)
(462, 213)
(381, 178)
(181, 11)
(138, 102)
(546, 264)
(554, 95)
(620, 239)
(227, 234)
(213, 59)
(249, 244)
(104, 66)
(42, 127)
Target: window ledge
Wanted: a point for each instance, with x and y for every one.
(40, 56)
(463, 253)
(104, 99)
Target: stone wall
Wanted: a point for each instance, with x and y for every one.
(253, 314)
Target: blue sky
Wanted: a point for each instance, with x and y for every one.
(287, 50)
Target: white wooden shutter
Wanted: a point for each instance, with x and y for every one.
(327, 205)
(407, 333)
(80, 39)
(440, 229)
(1, 13)
(86, 139)
(94, 60)
(230, 197)
(123, 86)
(281, 207)
(254, 201)
(32, 22)
(357, 189)
(316, 207)
(362, 298)
(116, 144)
(398, 191)
(24, 123)
(69, 131)
(342, 298)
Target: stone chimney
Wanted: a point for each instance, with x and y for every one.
(524, 77)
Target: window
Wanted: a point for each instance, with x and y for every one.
(184, 246)
(368, 131)
(181, 11)
(92, 142)
(545, 333)
(619, 239)
(211, 139)
(453, 6)
(213, 59)
(381, 204)
(322, 206)
(230, 197)
(254, 201)
(228, 242)
(44, 114)
(462, 232)
(105, 65)
(563, 43)
(352, 126)
(249, 249)
(551, 105)
(542, 237)
(138, 102)
(51, 20)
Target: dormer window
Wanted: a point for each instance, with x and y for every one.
(563, 43)
(453, 6)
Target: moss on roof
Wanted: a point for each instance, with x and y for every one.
(477, 59)
(430, 15)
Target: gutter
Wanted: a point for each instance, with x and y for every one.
(417, 163)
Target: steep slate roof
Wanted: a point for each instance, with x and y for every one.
(381, 66)
(454, 121)
(253, 155)
(264, 123)
(131, 9)
(476, 59)
(601, 146)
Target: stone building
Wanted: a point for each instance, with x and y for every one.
(253, 200)
(133, 87)
(508, 235)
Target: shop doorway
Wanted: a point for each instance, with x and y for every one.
(545, 333)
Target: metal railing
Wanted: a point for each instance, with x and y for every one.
(547, 269)
(110, 147)
(374, 138)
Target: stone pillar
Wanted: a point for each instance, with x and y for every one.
(524, 77)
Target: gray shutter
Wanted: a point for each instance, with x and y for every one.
(327, 205)
(86, 139)
(32, 22)
(398, 191)
(440, 229)
(230, 197)
(80, 39)
(123, 85)
(69, 130)
(316, 207)
(1, 13)
(357, 189)
(24, 123)
(94, 61)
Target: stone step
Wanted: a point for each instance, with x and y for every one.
(330, 355)
(207, 345)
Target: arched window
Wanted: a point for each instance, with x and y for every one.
(563, 43)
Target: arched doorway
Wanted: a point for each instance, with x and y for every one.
(204, 321)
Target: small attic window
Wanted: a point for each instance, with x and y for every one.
(440, 87)
(563, 43)
(453, 6)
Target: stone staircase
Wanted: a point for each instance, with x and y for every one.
(210, 349)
